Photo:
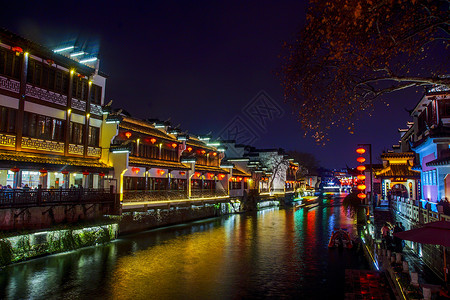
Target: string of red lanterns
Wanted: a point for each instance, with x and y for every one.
(361, 187)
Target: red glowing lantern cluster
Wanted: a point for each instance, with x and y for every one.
(361, 186)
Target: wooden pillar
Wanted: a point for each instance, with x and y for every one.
(68, 114)
(22, 91)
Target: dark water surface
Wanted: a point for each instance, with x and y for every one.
(275, 253)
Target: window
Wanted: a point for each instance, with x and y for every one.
(134, 183)
(96, 94)
(93, 137)
(80, 88)
(149, 151)
(169, 154)
(43, 127)
(7, 120)
(10, 64)
(46, 77)
(76, 133)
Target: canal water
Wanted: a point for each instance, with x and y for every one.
(274, 253)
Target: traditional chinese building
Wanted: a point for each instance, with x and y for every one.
(50, 116)
(155, 162)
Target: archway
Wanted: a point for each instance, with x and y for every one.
(399, 189)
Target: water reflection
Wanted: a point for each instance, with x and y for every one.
(274, 253)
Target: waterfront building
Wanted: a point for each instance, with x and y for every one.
(156, 162)
(429, 137)
(50, 116)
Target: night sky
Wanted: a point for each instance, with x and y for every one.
(199, 64)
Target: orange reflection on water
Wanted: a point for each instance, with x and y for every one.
(188, 265)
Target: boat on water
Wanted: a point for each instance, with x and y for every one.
(340, 238)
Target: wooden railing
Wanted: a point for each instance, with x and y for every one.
(20, 198)
(164, 195)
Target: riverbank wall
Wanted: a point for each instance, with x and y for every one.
(25, 246)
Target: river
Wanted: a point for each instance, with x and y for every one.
(274, 253)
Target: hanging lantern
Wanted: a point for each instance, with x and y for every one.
(361, 187)
(101, 174)
(43, 171)
(197, 174)
(189, 149)
(161, 172)
(153, 140)
(221, 176)
(360, 168)
(203, 151)
(174, 145)
(18, 50)
(64, 172)
(15, 169)
(182, 173)
(128, 134)
(361, 177)
(361, 195)
(360, 150)
(239, 178)
(135, 170)
(214, 153)
(361, 159)
(85, 173)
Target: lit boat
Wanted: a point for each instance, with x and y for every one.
(340, 238)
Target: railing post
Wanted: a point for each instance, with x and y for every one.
(39, 195)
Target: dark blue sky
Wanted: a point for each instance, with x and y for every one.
(199, 63)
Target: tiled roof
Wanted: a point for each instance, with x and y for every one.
(210, 169)
(143, 127)
(398, 155)
(26, 160)
(237, 172)
(157, 163)
(445, 161)
(398, 170)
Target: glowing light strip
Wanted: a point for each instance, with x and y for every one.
(171, 201)
(88, 60)
(63, 49)
(76, 54)
(403, 294)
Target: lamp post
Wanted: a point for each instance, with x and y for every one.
(370, 162)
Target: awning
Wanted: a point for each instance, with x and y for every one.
(200, 168)
(36, 161)
(237, 172)
(156, 163)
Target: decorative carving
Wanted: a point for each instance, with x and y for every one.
(96, 109)
(45, 95)
(9, 84)
(7, 140)
(96, 152)
(78, 104)
(30, 143)
(76, 149)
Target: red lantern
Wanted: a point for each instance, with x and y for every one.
(161, 172)
(360, 150)
(214, 153)
(174, 145)
(361, 187)
(43, 171)
(189, 149)
(182, 173)
(197, 174)
(239, 178)
(360, 168)
(15, 169)
(203, 151)
(361, 177)
(135, 170)
(361, 159)
(361, 195)
(221, 176)
(85, 173)
(65, 172)
(128, 134)
(18, 50)
(153, 140)
(101, 174)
